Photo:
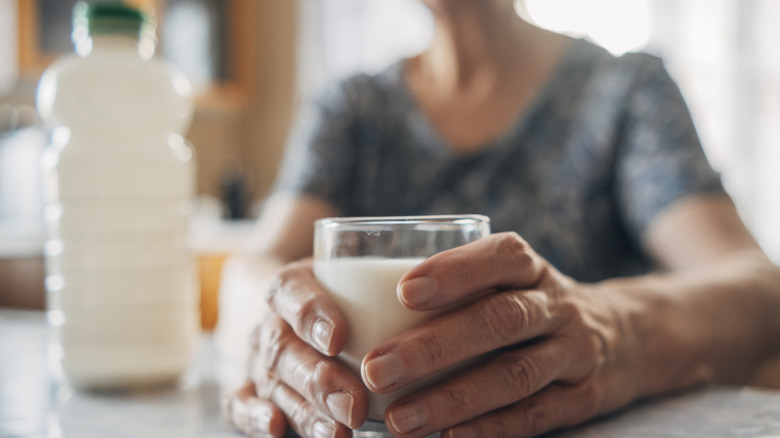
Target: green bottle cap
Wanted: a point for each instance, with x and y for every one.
(108, 18)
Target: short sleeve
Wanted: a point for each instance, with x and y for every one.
(319, 156)
(660, 159)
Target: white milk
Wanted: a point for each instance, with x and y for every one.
(118, 180)
(365, 290)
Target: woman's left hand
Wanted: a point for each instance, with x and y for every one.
(557, 352)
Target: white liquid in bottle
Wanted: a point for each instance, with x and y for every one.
(119, 179)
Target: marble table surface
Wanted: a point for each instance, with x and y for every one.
(33, 405)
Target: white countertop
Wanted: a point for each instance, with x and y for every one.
(33, 405)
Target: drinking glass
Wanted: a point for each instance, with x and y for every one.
(360, 261)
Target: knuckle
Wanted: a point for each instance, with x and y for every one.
(573, 317)
(265, 383)
(306, 307)
(305, 416)
(434, 352)
(570, 311)
(314, 379)
(499, 426)
(300, 414)
(536, 417)
(282, 282)
(574, 311)
(272, 342)
(503, 317)
(301, 313)
(515, 248)
(520, 375)
(596, 349)
(591, 343)
(458, 400)
(277, 285)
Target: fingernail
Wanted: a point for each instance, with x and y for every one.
(417, 291)
(340, 405)
(409, 417)
(383, 371)
(324, 430)
(260, 422)
(321, 333)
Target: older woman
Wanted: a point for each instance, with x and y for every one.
(634, 275)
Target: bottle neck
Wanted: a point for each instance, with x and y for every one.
(110, 43)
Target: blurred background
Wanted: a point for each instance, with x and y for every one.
(252, 62)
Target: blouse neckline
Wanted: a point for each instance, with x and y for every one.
(429, 136)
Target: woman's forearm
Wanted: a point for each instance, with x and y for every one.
(713, 324)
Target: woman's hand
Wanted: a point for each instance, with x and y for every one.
(550, 347)
(557, 354)
(294, 380)
(552, 352)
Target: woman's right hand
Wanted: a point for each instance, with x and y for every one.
(294, 379)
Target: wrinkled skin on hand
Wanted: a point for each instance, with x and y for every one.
(553, 352)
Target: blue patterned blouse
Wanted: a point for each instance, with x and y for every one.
(607, 145)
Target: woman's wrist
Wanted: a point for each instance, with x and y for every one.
(683, 329)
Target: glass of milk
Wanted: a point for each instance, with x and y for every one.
(360, 261)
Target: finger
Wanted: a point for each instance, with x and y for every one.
(299, 299)
(504, 380)
(304, 417)
(555, 407)
(499, 261)
(498, 320)
(320, 380)
(253, 416)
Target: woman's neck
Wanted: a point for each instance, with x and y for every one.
(475, 44)
(482, 71)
